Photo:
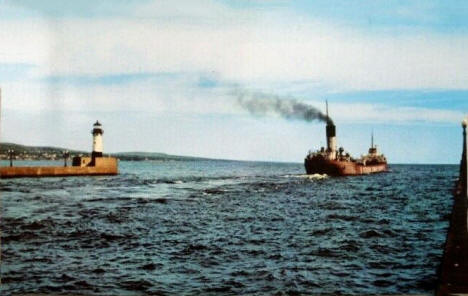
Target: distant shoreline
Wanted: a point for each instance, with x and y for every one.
(44, 153)
(24, 152)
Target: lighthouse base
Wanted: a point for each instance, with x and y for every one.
(96, 154)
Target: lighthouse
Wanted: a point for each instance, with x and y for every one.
(96, 164)
(97, 140)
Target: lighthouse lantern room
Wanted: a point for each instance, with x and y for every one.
(97, 139)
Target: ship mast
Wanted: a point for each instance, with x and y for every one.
(372, 139)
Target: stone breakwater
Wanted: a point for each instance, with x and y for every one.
(102, 166)
(453, 271)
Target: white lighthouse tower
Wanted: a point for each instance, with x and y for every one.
(97, 140)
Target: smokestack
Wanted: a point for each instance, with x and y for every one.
(331, 136)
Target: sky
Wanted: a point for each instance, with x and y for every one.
(162, 76)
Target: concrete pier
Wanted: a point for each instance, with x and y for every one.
(453, 273)
(98, 166)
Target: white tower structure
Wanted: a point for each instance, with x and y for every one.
(97, 139)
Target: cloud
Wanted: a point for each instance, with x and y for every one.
(183, 94)
(58, 8)
(242, 45)
(381, 113)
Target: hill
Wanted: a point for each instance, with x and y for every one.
(23, 152)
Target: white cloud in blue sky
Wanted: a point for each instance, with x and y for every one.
(160, 74)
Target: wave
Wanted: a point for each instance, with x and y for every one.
(309, 177)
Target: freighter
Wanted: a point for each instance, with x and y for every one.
(335, 162)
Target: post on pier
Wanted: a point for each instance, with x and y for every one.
(11, 153)
(66, 155)
(464, 162)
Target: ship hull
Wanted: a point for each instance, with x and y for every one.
(341, 168)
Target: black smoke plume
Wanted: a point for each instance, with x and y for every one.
(263, 104)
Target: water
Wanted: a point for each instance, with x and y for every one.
(225, 228)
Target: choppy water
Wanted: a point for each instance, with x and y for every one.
(225, 228)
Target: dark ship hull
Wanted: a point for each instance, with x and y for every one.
(320, 165)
